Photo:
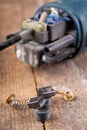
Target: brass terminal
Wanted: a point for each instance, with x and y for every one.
(69, 96)
(10, 98)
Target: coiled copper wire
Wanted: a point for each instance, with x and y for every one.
(66, 92)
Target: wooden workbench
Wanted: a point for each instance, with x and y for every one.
(21, 79)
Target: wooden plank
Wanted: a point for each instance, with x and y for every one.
(72, 74)
(66, 115)
(15, 76)
(22, 79)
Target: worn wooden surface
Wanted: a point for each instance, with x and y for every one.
(19, 78)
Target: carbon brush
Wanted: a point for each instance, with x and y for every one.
(42, 102)
(42, 95)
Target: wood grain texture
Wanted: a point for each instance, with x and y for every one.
(19, 78)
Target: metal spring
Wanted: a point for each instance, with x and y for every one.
(66, 92)
(18, 104)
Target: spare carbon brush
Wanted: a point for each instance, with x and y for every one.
(56, 32)
(42, 102)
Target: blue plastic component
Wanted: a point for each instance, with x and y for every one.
(65, 19)
(54, 17)
(51, 19)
